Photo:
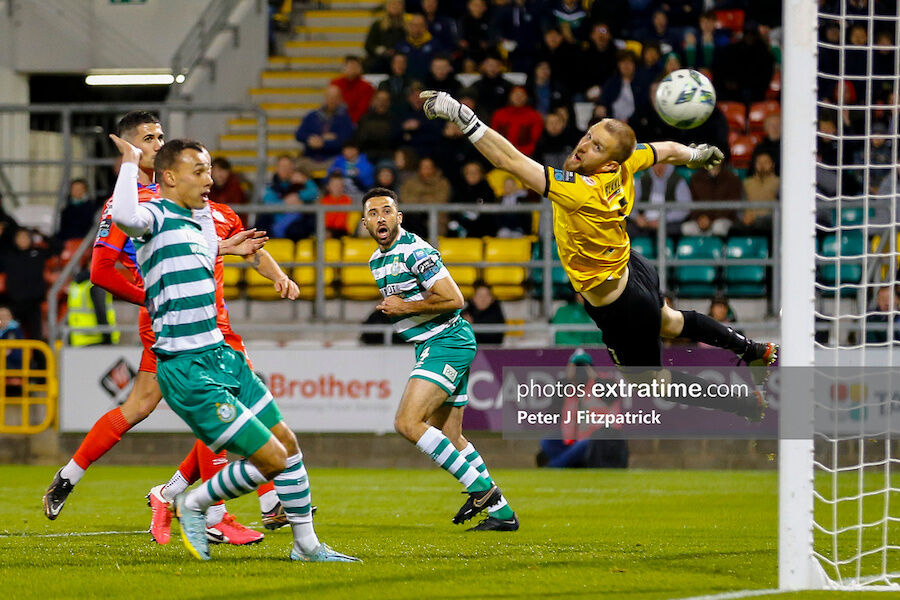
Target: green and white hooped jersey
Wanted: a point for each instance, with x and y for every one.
(177, 266)
(409, 268)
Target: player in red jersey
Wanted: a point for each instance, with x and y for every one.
(143, 130)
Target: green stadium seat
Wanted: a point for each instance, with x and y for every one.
(851, 215)
(697, 281)
(852, 244)
(746, 280)
(645, 246)
(561, 285)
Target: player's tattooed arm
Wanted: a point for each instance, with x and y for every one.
(444, 296)
(266, 266)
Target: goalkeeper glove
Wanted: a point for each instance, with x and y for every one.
(443, 105)
(705, 156)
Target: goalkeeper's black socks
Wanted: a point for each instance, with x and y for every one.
(701, 328)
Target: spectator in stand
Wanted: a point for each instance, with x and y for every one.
(485, 309)
(660, 184)
(671, 63)
(703, 51)
(599, 61)
(324, 131)
(648, 125)
(357, 170)
(519, 123)
(453, 150)
(518, 26)
(441, 78)
(829, 58)
(659, 33)
(684, 13)
(883, 61)
(226, 187)
(441, 28)
(650, 69)
(614, 13)
(571, 19)
(355, 91)
(8, 228)
(716, 184)
(406, 161)
(620, 93)
(879, 160)
(11, 330)
(746, 69)
(398, 82)
(336, 223)
(771, 143)
(761, 186)
(884, 310)
(573, 313)
(513, 224)
(386, 175)
(80, 213)
(556, 142)
(565, 60)
(413, 129)
(427, 186)
(856, 57)
(383, 37)
(720, 310)
(476, 38)
(373, 134)
(492, 89)
(419, 47)
(548, 94)
(26, 288)
(292, 187)
(473, 189)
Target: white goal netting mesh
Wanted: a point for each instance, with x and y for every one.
(857, 450)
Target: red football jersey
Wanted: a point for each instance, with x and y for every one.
(227, 224)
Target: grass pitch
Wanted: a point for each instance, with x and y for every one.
(598, 534)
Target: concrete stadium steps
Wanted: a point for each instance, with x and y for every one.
(247, 141)
(306, 63)
(336, 50)
(298, 79)
(277, 110)
(301, 95)
(332, 33)
(367, 5)
(360, 17)
(246, 157)
(249, 171)
(283, 125)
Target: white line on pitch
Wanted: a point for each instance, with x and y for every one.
(72, 534)
(735, 595)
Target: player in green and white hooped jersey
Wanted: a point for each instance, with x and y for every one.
(204, 381)
(423, 303)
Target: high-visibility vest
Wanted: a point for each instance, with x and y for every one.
(81, 315)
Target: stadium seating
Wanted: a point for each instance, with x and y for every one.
(742, 151)
(851, 245)
(305, 277)
(356, 281)
(507, 283)
(736, 115)
(759, 111)
(697, 281)
(746, 280)
(645, 246)
(462, 250)
(774, 91)
(558, 277)
(732, 19)
(875, 248)
(69, 248)
(233, 277)
(851, 215)
(260, 288)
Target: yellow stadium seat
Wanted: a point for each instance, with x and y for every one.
(875, 247)
(497, 177)
(462, 250)
(233, 276)
(232, 292)
(634, 46)
(282, 251)
(356, 281)
(507, 282)
(305, 252)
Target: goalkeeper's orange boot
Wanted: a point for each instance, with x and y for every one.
(229, 531)
(160, 516)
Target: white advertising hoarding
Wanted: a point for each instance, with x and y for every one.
(327, 390)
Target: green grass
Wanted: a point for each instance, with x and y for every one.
(598, 534)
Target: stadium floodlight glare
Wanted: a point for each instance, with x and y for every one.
(127, 77)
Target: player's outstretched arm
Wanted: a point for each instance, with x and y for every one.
(444, 296)
(491, 144)
(693, 156)
(269, 268)
(243, 243)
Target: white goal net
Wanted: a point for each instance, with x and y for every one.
(856, 461)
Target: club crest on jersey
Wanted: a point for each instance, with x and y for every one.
(563, 176)
(395, 266)
(226, 412)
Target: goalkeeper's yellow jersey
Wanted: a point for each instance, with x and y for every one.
(589, 219)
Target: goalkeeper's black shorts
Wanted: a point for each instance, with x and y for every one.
(630, 325)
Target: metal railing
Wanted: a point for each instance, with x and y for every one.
(198, 40)
(28, 393)
(545, 263)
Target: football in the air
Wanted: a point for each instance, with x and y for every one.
(685, 98)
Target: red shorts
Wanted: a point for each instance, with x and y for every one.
(148, 338)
